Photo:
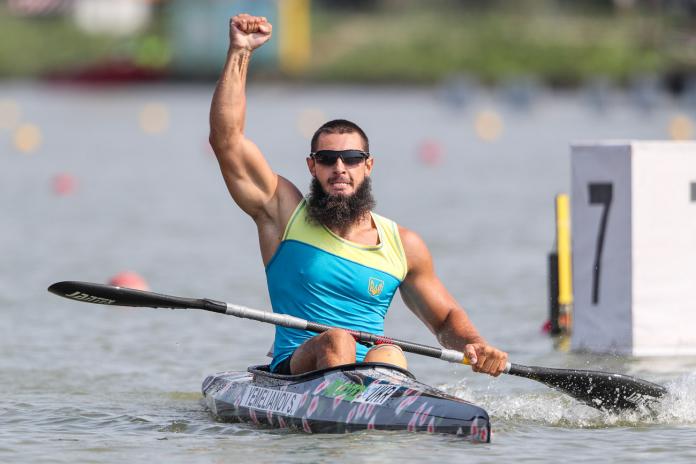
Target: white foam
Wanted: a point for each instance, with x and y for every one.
(548, 407)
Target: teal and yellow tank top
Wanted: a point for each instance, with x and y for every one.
(321, 277)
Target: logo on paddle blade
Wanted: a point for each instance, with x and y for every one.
(89, 298)
(375, 286)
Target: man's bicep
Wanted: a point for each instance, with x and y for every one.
(248, 176)
(421, 290)
(428, 299)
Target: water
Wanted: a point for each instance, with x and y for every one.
(87, 383)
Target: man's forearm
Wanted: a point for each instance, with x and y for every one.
(228, 108)
(458, 331)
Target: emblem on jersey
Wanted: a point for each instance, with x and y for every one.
(375, 286)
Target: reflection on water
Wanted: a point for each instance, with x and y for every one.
(96, 384)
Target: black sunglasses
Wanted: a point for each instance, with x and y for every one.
(349, 157)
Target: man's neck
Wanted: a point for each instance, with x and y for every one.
(363, 231)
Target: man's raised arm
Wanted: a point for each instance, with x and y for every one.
(248, 176)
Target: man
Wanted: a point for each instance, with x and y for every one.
(329, 258)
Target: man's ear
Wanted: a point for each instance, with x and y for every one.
(369, 162)
(312, 166)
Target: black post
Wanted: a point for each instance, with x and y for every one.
(553, 293)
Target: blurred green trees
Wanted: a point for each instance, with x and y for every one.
(559, 42)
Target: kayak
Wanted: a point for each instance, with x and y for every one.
(348, 398)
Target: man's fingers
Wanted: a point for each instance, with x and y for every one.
(498, 363)
(496, 368)
(489, 365)
(486, 359)
(481, 362)
(470, 352)
(501, 367)
(249, 24)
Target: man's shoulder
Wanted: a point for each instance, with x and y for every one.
(405, 234)
(288, 191)
(418, 257)
(412, 242)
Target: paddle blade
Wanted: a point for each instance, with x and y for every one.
(88, 292)
(601, 390)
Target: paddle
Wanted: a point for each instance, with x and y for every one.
(602, 390)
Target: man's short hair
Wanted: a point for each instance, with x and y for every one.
(340, 126)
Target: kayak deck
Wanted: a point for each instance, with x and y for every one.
(372, 396)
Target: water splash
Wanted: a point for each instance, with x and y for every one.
(679, 407)
(552, 408)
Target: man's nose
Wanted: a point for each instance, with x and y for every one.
(339, 166)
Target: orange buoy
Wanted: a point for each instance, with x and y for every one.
(129, 279)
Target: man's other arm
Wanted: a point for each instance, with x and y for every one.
(427, 297)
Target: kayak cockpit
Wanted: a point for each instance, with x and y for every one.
(265, 371)
(352, 397)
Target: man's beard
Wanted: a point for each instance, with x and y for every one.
(339, 212)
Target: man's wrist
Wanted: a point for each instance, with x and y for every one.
(237, 60)
(234, 50)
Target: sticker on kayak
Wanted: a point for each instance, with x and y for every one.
(376, 393)
(266, 399)
(346, 390)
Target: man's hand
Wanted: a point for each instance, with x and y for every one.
(486, 359)
(249, 32)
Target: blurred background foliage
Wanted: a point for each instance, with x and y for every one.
(560, 43)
